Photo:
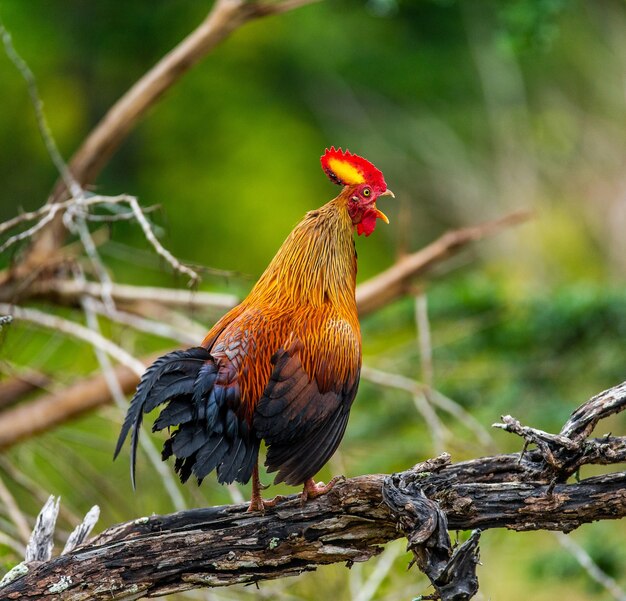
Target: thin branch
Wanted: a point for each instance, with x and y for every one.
(147, 443)
(47, 212)
(10, 542)
(44, 129)
(591, 567)
(422, 402)
(19, 384)
(383, 378)
(33, 488)
(45, 412)
(150, 326)
(423, 338)
(158, 247)
(437, 431)
(43, 211)
(14, 512)
(384, 565)
(59, 324)
(462, 415)
(69, 291)
(79, 225)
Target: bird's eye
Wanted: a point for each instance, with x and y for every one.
(366, 192)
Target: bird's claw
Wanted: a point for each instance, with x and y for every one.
(259, 504)
(312, 489)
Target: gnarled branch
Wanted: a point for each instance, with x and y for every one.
(221, 546)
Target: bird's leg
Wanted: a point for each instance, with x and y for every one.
(312, 489)
(257, 503)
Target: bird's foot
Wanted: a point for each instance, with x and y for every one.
(312, 489)
(257, 503)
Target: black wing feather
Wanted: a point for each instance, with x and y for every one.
(296, 466)
(301, 426)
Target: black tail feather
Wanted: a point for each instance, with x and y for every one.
(187, 440)
(202, 404)
(241, 459)
(210, 455)
(179, 411)
(151, 393)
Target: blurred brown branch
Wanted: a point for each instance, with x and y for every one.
(20, 384)
(396, 281)
(221, 546)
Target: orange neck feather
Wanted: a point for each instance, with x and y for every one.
(317, 262)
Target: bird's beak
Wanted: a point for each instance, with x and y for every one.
(379, 213)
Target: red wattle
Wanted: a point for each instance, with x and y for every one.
(368, 222)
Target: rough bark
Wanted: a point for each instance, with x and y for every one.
(221, 546)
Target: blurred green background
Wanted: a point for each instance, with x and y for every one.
(471, 110)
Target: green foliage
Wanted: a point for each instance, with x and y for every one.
(471, 109)
(531, 24)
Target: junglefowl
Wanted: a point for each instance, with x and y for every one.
(283, 366)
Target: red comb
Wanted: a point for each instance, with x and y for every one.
(347, 169)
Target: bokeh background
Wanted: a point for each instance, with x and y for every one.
(471, 110)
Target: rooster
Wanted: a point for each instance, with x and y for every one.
(283, 366)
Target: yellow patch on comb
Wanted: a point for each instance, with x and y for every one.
(346, 171)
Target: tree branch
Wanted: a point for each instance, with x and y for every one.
(396, 281)
(46, 412)
(225, 17)
(50, 410)
(69, 291)
(221, 546)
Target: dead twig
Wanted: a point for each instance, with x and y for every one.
(20, 383)
(432, 397)
(147, 444)
(68, 291)
(14, 512)
(564, 453)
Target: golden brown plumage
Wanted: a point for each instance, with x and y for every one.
(283, 366)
